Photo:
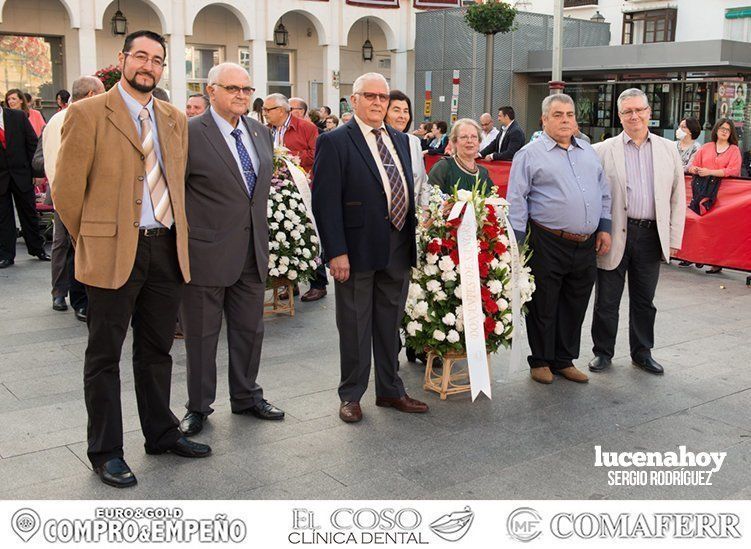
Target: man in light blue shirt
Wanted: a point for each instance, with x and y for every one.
(559, 194)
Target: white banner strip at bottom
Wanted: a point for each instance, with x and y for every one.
(455, 523)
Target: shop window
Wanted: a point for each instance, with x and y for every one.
(648, 27)
(280, 72)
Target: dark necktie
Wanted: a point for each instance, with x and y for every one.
(398, 210)
(249, 174)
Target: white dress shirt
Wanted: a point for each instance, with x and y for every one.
(487, 138)
(370, 139)
(225, 128)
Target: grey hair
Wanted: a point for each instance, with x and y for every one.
(556, 97)
(301, 101)
(360, 81)
(486, 115)
(632, 92)
(454, 134)
(216, 71)
(280, 99)
(84, 85)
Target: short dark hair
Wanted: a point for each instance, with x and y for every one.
(396, 95)
(508, 111)
(693, 126)
(441, 126)
(27, 95)
(64, 96)
(151, 35)
(202, 96)
(160, 93)
(733, 138)
(328, 110)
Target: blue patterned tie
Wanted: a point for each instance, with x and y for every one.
(249, 174)
(398, 199)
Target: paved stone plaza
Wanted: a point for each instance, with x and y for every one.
(529, 442)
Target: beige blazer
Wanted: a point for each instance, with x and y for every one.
(670, 196)
(99, 184)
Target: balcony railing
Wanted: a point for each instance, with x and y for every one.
(578, 3)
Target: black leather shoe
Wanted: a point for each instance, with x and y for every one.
(263, 410)
(116, 472)
(58, 304)
(81, 314)
(649, 364)
(43, 256)
(192, 423)
(5, 263)
(599, 363)
(185, 448)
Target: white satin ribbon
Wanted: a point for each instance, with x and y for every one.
(301, 182)
(516, 299)
(472, 314)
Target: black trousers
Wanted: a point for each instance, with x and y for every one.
(369, 311)
(148, 301)
(641, 261)
(27, 215)
(564, 272)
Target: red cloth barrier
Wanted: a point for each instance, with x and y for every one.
(721, 237)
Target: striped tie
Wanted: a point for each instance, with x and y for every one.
(398, 200)
(157, 185)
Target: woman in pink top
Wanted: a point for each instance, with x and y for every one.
(16, 99)
(720, 158)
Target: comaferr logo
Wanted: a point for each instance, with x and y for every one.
(645, 525)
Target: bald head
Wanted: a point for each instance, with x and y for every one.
(486, 122)
(86, 86)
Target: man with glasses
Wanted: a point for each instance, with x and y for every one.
(649, 208)
(489, 131)
(363, 201)
(298, 107)
(119, 190)
(230, 162)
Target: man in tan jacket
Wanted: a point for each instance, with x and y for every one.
(119, 190)
(649, 209)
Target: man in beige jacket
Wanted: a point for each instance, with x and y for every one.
(120, 191)
(649, 210)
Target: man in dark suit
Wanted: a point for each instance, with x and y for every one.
(18, 142)
(509, 140)
(119, 190)
(230, 162)
(363, 201)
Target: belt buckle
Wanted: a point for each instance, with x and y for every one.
(150, 232)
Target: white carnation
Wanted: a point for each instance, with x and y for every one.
(440, 295)
(274, 226)
(449, 319)
(280, 237)
(453, 336)
(295, 234)
(432, 259)
(413, 327)
(494, 263)
(416, 292)
(430, 270)
(272, 257)
(293, 203)
(499, 327)
(273, 245)
(288, 225)
(283, 269)
(433, 286)
(313, 263)
(273, 272)
(286, 192)
(505, 257)
(306, 253)
(292, 275)
(458, 291)
(495, 287)
(446, 263)
(284, 260)
(314, 239)
(421, 309)
(448, 275)
(502, 304)
(438, 335)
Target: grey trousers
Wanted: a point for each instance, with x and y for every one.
(369, 311)
(62, 267)
(201, 317)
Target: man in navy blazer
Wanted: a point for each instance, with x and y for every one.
(363, 201)
(509, 140)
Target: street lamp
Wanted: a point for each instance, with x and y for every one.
(597, 17)
(281, 34)
(119, 23)
(367, 47)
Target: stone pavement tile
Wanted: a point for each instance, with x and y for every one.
(6, 397)
(40, 467)
(733, 409)
(380, 484)
(314, 485)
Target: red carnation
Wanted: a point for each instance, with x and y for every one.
(449, 244)
(499, 248)
(484, 245)
(485, 293)
(484, 270)
(434, 246)
(491, 231)
(491, 307)
(454, 255)
(489, 325)
(485, 258)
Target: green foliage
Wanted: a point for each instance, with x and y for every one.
(491, 17)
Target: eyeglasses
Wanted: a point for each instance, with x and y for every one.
(384, 98)
(723, 129)
(234, 90)
(142, 59)
(266, 111)
(631, 112)
(296, 108)
(471, 137)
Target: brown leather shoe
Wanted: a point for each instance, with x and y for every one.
(350, 412)
(284, 295)
(314, 294)
(403, 404)
(572, 374)
(542, 375)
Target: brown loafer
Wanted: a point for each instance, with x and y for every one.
(403, 404)
(542, 375)
(350, 412)
(314, 294)
(572, 374)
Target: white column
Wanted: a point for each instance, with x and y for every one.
(176, 58)
(87, 63)
(259, 66)
(330, 64)
(399, 70)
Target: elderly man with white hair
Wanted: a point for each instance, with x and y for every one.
(364, 204)
(227, 182)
